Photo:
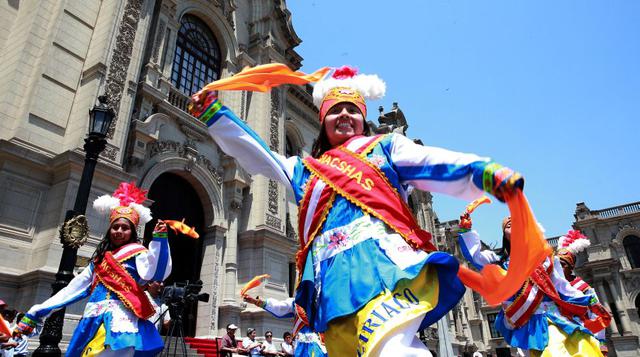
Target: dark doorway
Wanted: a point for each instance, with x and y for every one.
(174, 198)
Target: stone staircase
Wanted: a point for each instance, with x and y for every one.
(195, 347)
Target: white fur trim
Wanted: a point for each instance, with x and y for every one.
(105, 203)
(369, 85)
(144, 212)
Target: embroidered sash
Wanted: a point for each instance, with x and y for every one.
(526, 303)
(542, 279)
(580, 284)
(352, 176)
(115, 277)
(601, 317)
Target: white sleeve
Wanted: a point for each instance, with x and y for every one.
(562, 285)
(155, 264)
(438, 170)
(77, 289)
(471, 248)
(239, 141)
(280, 308)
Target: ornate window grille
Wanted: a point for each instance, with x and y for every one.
(197, 58)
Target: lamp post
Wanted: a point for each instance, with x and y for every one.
(100, 118)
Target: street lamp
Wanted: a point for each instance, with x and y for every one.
(75, 230)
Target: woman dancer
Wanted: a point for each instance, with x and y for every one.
(542, 319)
(114, 322)
(569, 245)
(369, 276)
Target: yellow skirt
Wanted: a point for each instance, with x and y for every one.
(387, 314)
(96, 345)
(578, 344)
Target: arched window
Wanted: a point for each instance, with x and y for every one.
(632, 248)
(290, 149)
(197, 58)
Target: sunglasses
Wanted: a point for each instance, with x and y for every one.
(268, 336)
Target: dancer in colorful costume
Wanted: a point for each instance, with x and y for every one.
(114, 321)
(598, 317)
(543, 318)
(307, 342)
(369, 277)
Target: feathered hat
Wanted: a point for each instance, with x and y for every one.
(126, 202)
(346, 85)
(570, 244)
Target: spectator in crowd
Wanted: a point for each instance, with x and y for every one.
(8, 346)
(269, 349)
(161, 318)
(229, 343)
(3, 307)
(251, 345)
(287, 345)
(18, 346)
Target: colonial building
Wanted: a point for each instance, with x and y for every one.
(612, 266)
(147, 57)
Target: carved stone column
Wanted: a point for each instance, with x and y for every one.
(625, 321)
(602, 295)
(213, 238)
(231, 255)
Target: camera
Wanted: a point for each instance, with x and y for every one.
(184, 292)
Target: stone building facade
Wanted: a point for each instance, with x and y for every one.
(612, 266)
(148, 57)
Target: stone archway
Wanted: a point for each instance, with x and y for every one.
(174, 198)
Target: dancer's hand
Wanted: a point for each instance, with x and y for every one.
(25, 326)
(256, 301)
(506, 183)
(200, 101)
(465, 222)
(160, 227)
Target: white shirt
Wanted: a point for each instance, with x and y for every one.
(160, 310)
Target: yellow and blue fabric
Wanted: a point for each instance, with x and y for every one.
(561, 344)
(355, 258)
(534, 335)
(122, 328)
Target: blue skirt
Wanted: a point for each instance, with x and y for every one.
(146, 342)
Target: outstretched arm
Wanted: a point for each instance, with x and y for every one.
(77, 289)
(282, 309)
(238, 140)
(456, 174)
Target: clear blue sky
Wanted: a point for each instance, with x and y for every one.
(549, 88)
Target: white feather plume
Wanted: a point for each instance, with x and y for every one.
(105, 203)
(143, 212)
(369, 85)
(576, 246)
